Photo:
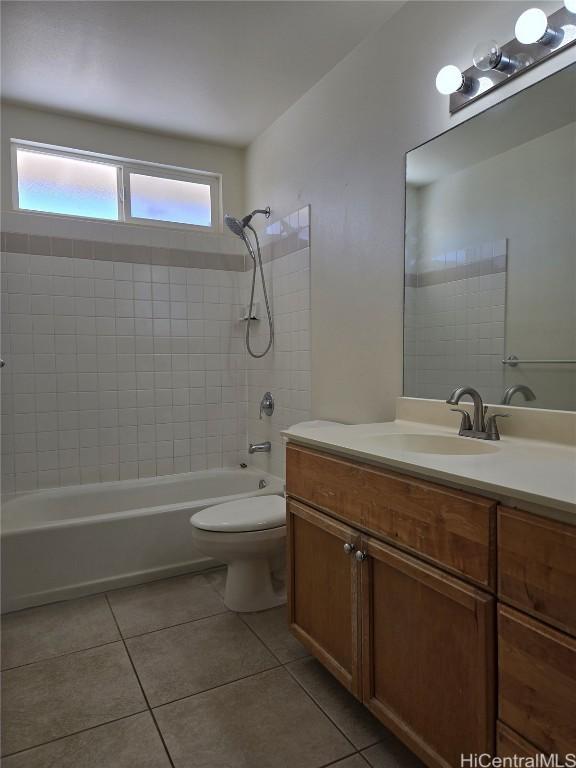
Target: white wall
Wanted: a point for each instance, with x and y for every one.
(61, 130)
(341, 148)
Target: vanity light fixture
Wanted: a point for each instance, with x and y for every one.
(532, 27)
(450, 80)
(537, 38)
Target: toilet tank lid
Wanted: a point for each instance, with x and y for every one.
(252, 514)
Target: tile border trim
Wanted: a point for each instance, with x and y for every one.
(64, 247)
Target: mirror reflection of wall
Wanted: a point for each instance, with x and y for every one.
(491, 252)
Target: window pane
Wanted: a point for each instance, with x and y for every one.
(160, 199)
(55, 184)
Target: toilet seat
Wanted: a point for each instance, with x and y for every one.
(255, 513)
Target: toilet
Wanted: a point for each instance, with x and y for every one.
(249, 535)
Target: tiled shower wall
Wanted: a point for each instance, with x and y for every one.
(118, 369)
(455, 323)
(286, 370)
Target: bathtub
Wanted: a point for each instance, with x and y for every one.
(66, 542)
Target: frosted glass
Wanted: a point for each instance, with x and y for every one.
(184, 202)
(55, 184)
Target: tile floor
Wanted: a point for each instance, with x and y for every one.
(164, 675)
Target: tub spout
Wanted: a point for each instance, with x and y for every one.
(265, 447)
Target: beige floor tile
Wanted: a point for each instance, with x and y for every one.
(164, 603)
(262, 721)
(189, 658)
(272, 628)
(51, 630)
(57, 697)
(129, 743)
(349, 715)
(391, 753)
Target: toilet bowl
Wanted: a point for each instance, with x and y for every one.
(249, 535)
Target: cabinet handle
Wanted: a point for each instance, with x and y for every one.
(360, 556)
(349, 548)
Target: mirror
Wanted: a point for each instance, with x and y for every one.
(490, 253)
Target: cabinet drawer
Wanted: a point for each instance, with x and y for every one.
(509, 743)
(537, 566)
(453, 529)
(537, 681)
(325, 482)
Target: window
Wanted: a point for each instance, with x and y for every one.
(70, 183)
(65, 185)
(160, 199)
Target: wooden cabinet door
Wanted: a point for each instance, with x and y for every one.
(323, 589)
(428, 656)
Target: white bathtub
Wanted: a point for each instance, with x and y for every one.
(64, 542)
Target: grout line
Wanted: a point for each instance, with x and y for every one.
(62, 655)
(178, 624)
(160, 734)
(260, 639)
(347, 757)
(76, 733)
(222, 685)
(331, 719)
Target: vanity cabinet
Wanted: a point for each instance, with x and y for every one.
(413, 641)
(392, 586)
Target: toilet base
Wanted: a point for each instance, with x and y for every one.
(249, 587)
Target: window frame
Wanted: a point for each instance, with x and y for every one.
(125, 167)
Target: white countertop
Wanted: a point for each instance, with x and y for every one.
(534, 475)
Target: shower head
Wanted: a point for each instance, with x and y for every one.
(236, 226)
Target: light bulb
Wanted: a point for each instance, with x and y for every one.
(532, 27)
(449, 80)
(570, 5)
(487, 55)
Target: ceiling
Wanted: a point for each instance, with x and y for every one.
(219, 71)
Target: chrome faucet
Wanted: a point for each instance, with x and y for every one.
(260, 447)
(479, 427)
(524, 390)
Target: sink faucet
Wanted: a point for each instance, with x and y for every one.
(260, 447)
(509, 393)
(480, 427)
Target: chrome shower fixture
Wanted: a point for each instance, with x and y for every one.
(238, 227)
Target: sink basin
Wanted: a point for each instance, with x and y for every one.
(440, 444)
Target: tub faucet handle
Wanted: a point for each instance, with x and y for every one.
(267, 404)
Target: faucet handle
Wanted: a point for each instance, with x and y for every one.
(465, 423)
(492, 426)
